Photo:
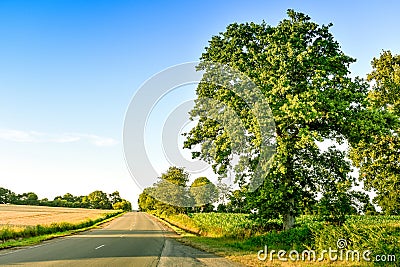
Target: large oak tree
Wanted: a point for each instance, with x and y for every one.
(304, 77)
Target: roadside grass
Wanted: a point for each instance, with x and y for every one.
(223, 234)
(16, 236)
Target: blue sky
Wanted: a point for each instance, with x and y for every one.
(68, 70)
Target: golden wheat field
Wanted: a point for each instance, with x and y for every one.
(19, 215)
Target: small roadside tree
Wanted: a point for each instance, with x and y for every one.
(122, 205)
(98, 200)
(238, 201)
(146, 202)
(114, 197)
(171, 191)
(6, 196)
(204, 193)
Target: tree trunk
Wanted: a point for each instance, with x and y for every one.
(288, 221)
(288, 217)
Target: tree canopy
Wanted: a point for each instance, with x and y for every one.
(95, 200)
(169, 194)
(204, 192)
(378, 156)
(304, 77)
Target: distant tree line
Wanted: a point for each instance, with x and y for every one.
(95, 200)
(164, 198)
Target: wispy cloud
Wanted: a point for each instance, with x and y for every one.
(39, 137)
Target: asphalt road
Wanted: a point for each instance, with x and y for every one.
(135, 239)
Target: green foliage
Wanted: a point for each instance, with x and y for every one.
(175, 176)
(295, 238)
(204, 192)
(303, 76)
(377, 155)
(171, 188)
(338, 199)
(221, 208)
(380, 234)
(146, 202)
(6, 196)
(224, 192)
(69, 197)
(238, 202)
(221, 224)
(95, 200)
(213, 224)
(334, 206)
(115, 198)
(236, 225)
(29, 198)
(386, 75)
(168, 195)
(235, 232)
(122, 205)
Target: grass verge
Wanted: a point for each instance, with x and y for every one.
(380, 235)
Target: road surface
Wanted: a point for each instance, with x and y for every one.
(135, 239)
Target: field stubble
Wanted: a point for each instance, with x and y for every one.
(27, 225)
(20, 216)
